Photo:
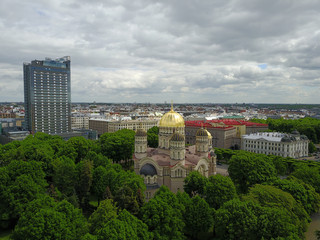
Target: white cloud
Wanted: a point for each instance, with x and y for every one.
(155, 51)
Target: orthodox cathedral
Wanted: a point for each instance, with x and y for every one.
(171, 162)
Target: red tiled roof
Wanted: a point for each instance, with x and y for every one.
(206, 124)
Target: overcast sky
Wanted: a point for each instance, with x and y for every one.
(216, 51)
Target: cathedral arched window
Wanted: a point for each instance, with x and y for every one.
(201, 170)
(178, 173)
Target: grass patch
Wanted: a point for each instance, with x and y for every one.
(93, 201)
(5, 234)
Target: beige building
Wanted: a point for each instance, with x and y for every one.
(280, 144)
(99, 125)
(226, 133)
(171, 162)
(222, 136)
(79, 122)
(103, 126)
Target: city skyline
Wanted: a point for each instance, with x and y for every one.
(141, 51)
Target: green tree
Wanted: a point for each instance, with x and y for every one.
(81, 145)
(115, 229)
(76, 222)
(119, 145)
(309, 175)
(35, 150)
(195, 184)
(198, 217)
(220, 189)
(163, 215)
(89, 236)
(248, 220)
(32, 168)
(45, 224)
(5, 211)
(9, 152)
(280, 165)
(302, 193)
(98, 159)
(249, 169)
(126, 199)
(139, 228)
(45, 219)
(274, 223)
(64, 176)
(104, 213)
(152, 137)
(99, 182)
(307, 126)
(22, 191)
(236, 220)
(312, 148)
(84, 170)
(269, 196)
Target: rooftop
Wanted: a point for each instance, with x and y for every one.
(268, 136)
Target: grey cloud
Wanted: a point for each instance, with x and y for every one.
(195, 51)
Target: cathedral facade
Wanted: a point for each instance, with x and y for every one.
(171, 162)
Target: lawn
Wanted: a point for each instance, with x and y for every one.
(4, 235)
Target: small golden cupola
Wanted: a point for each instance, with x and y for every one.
(203, 142)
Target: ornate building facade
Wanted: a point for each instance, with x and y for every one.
(280, 144)
(171, 162)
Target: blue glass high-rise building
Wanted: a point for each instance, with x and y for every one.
(47, 95)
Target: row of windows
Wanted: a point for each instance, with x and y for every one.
(53, 73)
(49, 87)
(50, 90)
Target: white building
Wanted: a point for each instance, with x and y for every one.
(280, 144)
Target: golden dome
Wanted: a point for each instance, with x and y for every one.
(171, 119)
(209, 134)
(177, 137)
(202, 132)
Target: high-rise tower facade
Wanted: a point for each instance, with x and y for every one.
(47, 95)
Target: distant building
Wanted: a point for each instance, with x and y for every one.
(7, 115)
(11, 124)
(79, 121)
(47, 94)
(99, 125)
(280, 144)
(103, 125)
(226, 133)
(86, 133)
(222, 136)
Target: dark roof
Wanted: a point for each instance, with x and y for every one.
(141, 133)
(148, 170)
(152, 186)
(295, 132)
(202, 132)
(177, 137)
